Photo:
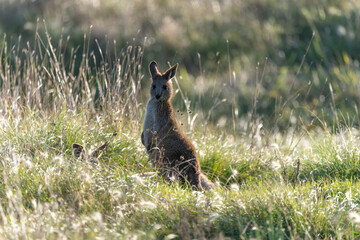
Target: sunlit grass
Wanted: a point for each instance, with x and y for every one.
(46, 192)
(302, 183)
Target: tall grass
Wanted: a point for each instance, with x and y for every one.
(47, 193)
(47, 76)
(297, 185)
(204, 37)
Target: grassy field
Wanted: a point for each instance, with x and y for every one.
(298, 184)
(298, 59)
(262, 191)
(270, 101)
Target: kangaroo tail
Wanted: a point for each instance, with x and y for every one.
(206, 184)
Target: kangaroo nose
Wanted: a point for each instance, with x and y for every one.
(157, 96)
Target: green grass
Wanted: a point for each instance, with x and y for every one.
(232, 50)
(46, 192)
(295, 176)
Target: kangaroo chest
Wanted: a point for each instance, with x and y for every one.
(150, 116)
(157, 115)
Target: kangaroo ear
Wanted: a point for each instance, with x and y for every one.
(170, 73)
(78, 150)
(100, 149)
(153, 68)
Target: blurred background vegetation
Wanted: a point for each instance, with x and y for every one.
(280, 64)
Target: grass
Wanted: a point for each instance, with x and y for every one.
(47, 193)
(302, 183)
(254, 47)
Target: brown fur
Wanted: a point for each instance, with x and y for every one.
(169, 150)
(175, 152)
(80, 152)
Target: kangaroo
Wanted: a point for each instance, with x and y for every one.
(169, 150)
(80, 152)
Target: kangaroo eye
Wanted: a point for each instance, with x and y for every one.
(165, 87)
(154, 86)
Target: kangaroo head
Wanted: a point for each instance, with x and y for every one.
(161, 87)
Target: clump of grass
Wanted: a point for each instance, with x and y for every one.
(48, 77)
